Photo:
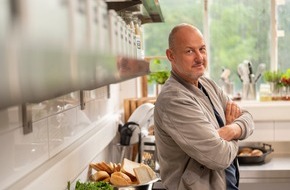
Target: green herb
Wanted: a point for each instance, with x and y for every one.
(101, 185)
(68, 185)
(158, 77)
(285, 78)
(160, 72)
(272, 76)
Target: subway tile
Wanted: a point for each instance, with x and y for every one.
(55, 132)
(104, 107)
(89, 110)
(63, 130)
(71, 100)
(39, 110)
(22, 153)
(82, 118)
(90, 95)
(10, 118)
(47, 108)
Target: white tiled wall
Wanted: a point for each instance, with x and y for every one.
(57, 125)
(20, 153)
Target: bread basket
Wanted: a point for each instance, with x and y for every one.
(146, 186)
(255, 160)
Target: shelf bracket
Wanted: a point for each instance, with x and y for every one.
(26, 119)
(82, 100)
(108, 92)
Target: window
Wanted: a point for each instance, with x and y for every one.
(156, 35)
(236, 31)
(239, 30)
(283, 12)
(174, 12)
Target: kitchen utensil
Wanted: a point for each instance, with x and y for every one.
(225, 75)
(253, 160)
(261, 68)
(126, 132)
(246, 72)
(144, 116)
(250, 71)
(241, 71)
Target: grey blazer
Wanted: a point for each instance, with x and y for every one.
(191, 154)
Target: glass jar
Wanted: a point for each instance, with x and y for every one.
(265, 92)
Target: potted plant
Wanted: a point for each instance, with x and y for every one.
(158, 77)
(274, 79)
(159, 74)
(285, 81)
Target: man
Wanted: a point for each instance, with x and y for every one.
(197, 126)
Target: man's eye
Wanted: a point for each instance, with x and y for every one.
(189, 51)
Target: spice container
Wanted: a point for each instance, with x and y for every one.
(265, 92)
(121, 43)
(113, 30)
(103, 37)
(138, 37)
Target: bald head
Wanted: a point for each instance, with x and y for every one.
(177, 29)
(187, 52)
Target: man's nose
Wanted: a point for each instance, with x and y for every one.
(198, 57)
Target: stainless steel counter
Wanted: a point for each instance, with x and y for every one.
(275, 169)
(273, 174)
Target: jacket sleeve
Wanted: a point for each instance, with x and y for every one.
(245, 121)
(191, 129)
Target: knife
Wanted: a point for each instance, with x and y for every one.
(250, 71)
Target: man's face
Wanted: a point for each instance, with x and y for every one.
(188, 56)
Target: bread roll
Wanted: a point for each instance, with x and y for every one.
(94, 166)
(245, 154)
(107, 179)
(107, 167)
(246, 150)
(100, 176)
(120, 179)
(256, 152)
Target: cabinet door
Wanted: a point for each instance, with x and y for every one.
(282, 131)
(264, 131)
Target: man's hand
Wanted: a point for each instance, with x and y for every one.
(233, 111)
(231, 131)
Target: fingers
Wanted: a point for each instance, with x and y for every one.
(237, 109)
(230, 132)
(233, 111)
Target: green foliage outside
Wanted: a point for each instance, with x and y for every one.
(238, 31)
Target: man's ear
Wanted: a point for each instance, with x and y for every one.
(169, 54)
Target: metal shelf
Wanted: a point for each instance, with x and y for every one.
(33, 82)
(148, 11)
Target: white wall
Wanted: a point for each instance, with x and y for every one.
(65, 139)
